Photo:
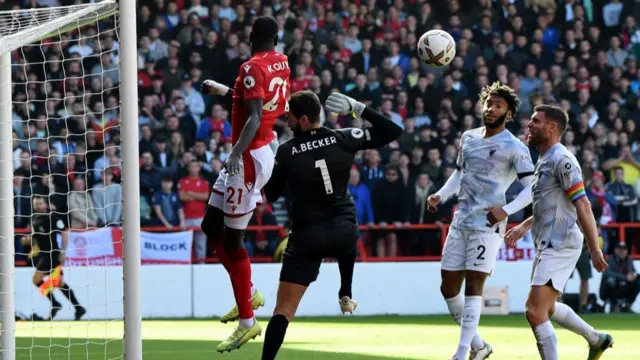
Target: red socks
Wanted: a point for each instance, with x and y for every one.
(239, 268)
(222, 255)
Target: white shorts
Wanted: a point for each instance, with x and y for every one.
(470, 250)
(555, 266)
(237, 196)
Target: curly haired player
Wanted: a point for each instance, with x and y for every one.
(489, 160)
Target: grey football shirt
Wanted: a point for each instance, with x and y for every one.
(488, 167)
(557, 183)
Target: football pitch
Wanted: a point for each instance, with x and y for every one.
(339, 338)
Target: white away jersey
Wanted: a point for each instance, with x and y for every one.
(557, 183)
(488, 167)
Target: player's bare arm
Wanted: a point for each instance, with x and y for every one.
(254, 109)
(517, 232)
(274, 188)
(588, 223)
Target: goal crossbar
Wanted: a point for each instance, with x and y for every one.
(19, 28)
(22, 27)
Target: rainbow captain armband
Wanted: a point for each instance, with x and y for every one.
(576, 192)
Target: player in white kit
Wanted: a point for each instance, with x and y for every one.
(559, 202)
(489, 160)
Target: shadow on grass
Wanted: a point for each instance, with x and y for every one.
(599, 321)
(98, 349)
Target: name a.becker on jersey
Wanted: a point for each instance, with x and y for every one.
(315, 144)
(279, 66)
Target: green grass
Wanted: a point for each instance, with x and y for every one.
(343, 338)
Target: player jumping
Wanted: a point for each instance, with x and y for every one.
(489, 160)
(45, 227)
(259, 98)
(559, 200)
(317, 164)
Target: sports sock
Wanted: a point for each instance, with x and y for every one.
(274, 336)
(50, 297)
(68, 293)
(547, 341)
(240, 271)
(346, 265)
(221, 253)
(469, 326)
(568, 319)
(456, 308)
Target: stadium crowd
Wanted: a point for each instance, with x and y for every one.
(579, 54)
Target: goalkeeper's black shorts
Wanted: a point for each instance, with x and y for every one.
(307, 248)
(47, 261)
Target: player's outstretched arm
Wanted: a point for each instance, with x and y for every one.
(254, 109)
(383, 130)
(210, 87)
(522, 200)
(451, 187)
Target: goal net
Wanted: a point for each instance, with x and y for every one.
(67, 288)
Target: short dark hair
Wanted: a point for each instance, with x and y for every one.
(505, 92)
(306, 103)
(555, 114)
(264, 30)
(615, 169)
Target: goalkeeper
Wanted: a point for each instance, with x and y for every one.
(50, 257)
(316, 164)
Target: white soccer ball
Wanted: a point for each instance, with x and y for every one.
(436, 48)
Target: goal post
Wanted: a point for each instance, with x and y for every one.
(34, 27)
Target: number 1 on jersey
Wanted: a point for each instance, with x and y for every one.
(326, 177)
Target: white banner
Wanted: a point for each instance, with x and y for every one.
(166, 248)
(91, 248)
(524, 250)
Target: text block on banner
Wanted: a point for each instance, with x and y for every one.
(166, 248)
(90, 248)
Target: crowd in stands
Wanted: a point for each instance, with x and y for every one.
(579, 54)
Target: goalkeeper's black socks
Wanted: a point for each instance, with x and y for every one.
(346, 264)
(68, 293)
(274, 336)
(55, 305)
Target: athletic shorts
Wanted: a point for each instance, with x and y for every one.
(474, 250)
(47, 261)
(237, 196)
(307, 248)
(554, 267)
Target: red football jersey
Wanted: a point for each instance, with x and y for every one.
(265, 76)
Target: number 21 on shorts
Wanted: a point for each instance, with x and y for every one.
(234, 193)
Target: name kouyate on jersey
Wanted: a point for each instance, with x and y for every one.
(488, 167)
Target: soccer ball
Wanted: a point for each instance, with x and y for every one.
(436, 48)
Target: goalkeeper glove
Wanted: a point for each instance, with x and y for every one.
(342, 104)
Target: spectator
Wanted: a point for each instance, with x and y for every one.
(373, 170)
(82, 213)
(390, 206)
(149, 176)
(263, 242)
(193, 191)
(107, 197)
(166, 206)
(620, 282)
(625, 197)
(419, 214)
(362, 198)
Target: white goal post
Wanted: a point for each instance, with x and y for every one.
(19, 28)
